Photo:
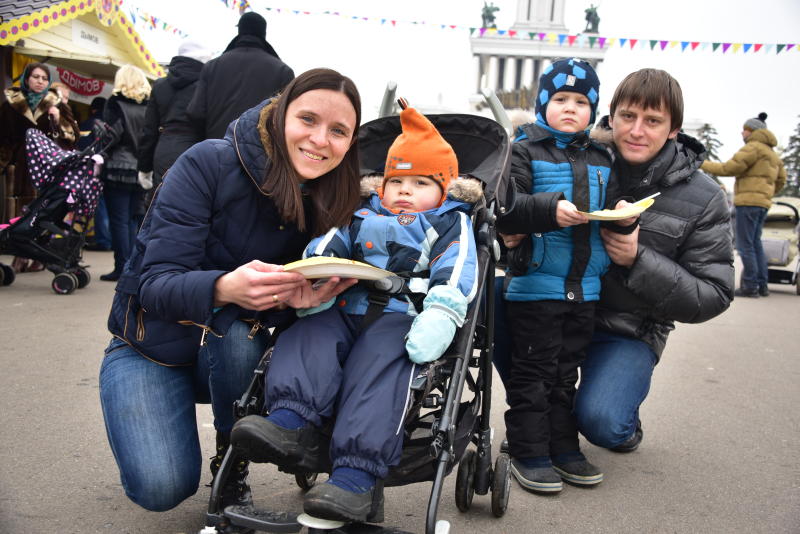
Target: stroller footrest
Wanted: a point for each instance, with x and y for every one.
(263, 520)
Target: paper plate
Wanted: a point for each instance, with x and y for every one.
(325, 267)
(630, 210)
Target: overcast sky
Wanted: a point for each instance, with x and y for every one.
(434, 67)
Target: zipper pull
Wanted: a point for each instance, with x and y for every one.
(254, 330)
(600, 177)
(203, 338)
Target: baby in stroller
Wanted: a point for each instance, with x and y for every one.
(51, 228)
(350, 363)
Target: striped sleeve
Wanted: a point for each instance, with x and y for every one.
(336, 243)
(453, 258)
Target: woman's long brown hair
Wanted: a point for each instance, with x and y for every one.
(333, 196)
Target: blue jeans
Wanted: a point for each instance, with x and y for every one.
(102, 232)
(749, 222)
(149, 412)
(123, 220)
(615, 380)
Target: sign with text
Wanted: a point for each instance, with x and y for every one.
(89, 37)
(83, 89)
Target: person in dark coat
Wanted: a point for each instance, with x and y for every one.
(674, 264)
(167, 132)
(124, 196)
(102, 232)
(245, 74)
(192, 310)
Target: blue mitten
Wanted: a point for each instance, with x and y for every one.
(302, 312)
(433, 330)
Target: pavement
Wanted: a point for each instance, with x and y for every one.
(720, 452)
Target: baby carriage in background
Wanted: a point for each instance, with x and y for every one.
(779, 238)
(441, 422)
(52, 228)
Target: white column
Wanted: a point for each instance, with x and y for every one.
(476, 68)
(491, 75)
(510, 74)
(527, 72)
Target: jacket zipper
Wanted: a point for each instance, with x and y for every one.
(600, 182)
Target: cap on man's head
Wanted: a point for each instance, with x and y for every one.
(253, 24)
(195, 50)
(421, 151)
(756, 123)
(573, 75)
(98, 103)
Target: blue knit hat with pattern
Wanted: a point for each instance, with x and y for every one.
(573, 75)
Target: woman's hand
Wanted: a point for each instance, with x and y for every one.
(257, 286)
(53, 112)
(567, 214)
(310, 296)
(511, 240)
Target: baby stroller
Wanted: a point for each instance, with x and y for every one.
(51, 229)
(440, 424)
(779, 238)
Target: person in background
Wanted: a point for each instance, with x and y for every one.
(34, 104)
(247, 72)
(102, 232)
(760, 174)
(124, 196)
(167, 130)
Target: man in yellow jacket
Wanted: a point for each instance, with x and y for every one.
(759, 175)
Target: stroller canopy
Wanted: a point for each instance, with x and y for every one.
(481, 146)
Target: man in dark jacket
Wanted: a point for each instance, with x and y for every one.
(676, 264)
(167, 131)
(248, 72)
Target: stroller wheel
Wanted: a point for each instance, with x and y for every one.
(501, 485)
(465, 481)
(305, 481)
(6, 275)
(64, 283)
(83, 277)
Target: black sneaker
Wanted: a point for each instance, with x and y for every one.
(293, 451)
(579, 471)
(110, 277)
(632, 443)
(749, 293)
(763, 291)
(331, 502)
(538, 479)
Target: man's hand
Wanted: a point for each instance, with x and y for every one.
(625, 222)
(621, 248)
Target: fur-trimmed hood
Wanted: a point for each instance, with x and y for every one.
(463, 189)
(17, 101)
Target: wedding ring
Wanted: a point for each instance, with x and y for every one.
(274, 298)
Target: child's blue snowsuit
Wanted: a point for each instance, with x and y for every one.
(324, 366)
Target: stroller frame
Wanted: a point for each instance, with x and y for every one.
(438, 387)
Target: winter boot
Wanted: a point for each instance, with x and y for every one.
(235, 490)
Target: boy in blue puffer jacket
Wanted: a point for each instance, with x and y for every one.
(330, 365)
(554, 275)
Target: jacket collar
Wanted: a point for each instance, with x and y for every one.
(250, 142)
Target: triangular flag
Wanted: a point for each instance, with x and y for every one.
(705, 45)
(512, 33)
(789, 47)
(694, 45)
(501, 32)
(725, 47)
(684, 44)
(541, 36)
(653, 43)
(551, 37)
(383, 21)
(592, 41)
(747, 47)
(531, 34)
(779, 48)
(633, 43)
(622, 41)
(561, 37)
(767, 48)
(673, 44)
(714, 46)
(611, 41)
(453, 26)
(736, 47)
(601, 41)
(471, 31)
(757, 47)
(581, 40)
(663, 44)
(483, 30)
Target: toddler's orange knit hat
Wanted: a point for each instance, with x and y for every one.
(420, 151)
